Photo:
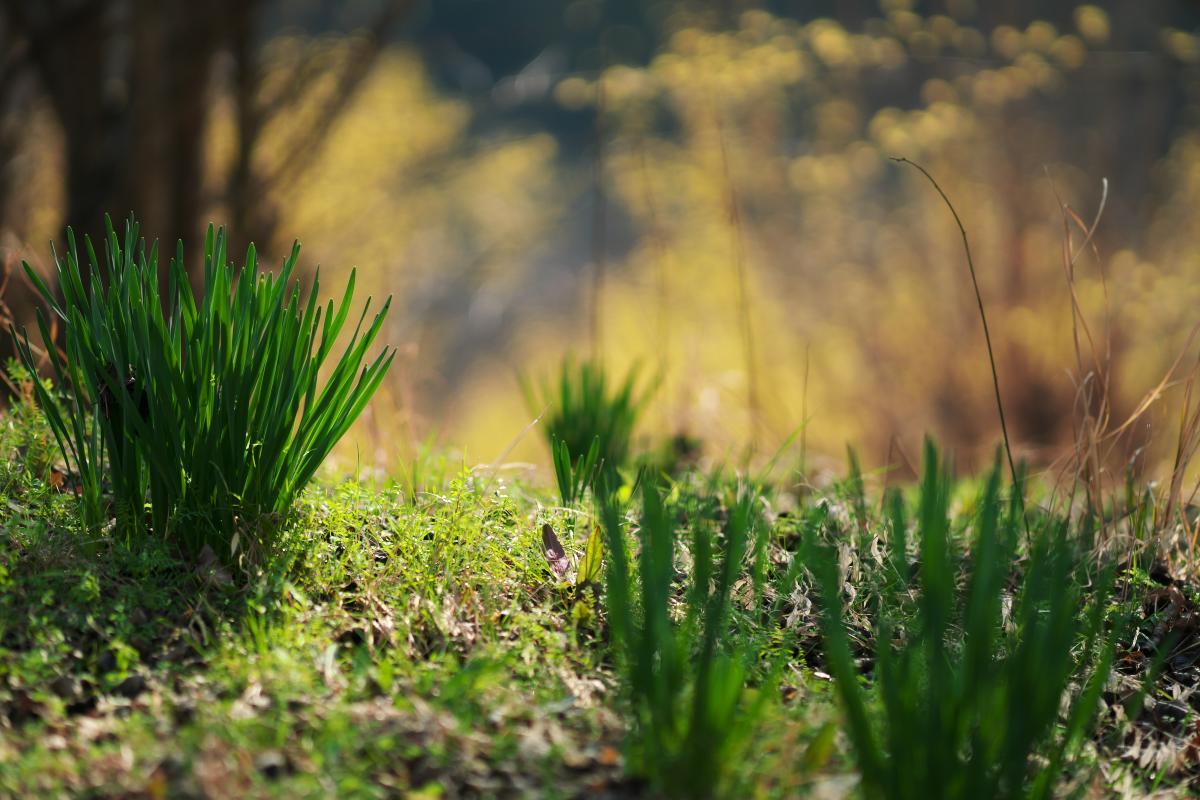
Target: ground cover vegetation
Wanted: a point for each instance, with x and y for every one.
(183, 613)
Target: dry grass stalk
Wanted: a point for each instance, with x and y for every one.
(734, 216)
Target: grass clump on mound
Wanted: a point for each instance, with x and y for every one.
(201, 419)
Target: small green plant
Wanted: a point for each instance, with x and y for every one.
(683, 675)
(977, 713)
(589, 423)
(208, 413)
(574, 474)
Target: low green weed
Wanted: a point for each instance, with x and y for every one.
(207, 413)
(969, 697)
(683, 675)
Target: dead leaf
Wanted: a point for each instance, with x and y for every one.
(555, 554)
(608, 756)
(209, 567)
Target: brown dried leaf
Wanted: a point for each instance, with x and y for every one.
(556, 556)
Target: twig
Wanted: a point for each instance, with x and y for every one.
(662, 299)
(599, 226)
(987, 335)
(804, 415)
(739, 263)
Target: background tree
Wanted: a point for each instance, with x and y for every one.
(130, 84)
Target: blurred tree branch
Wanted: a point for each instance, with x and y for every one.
(130, 84)
(356, 70)
(247, 190)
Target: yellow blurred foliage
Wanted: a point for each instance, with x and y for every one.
(765, 147)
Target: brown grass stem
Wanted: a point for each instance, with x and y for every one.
(743, 289)
(599, 226)
(987, 335)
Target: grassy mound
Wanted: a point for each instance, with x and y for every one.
(424, 641)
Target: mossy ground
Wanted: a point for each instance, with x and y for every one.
(402, 645)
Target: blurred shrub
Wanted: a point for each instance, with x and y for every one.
(589, 423)
(792, 124)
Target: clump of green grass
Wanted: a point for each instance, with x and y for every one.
(976, 713)
(574, 475)
(205, 418)
(683, 676)
(589, 422)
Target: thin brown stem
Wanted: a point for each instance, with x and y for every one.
(743, 289)
(599, 226)
(987, 335)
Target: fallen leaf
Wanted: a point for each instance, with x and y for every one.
(608, 756)
(555, 554)
(209, 567)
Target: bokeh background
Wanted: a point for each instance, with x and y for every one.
(701, 188)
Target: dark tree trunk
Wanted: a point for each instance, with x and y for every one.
(194, 36)
(89, 94)
(251, 218)
(128, 82)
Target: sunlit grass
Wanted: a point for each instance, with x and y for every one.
(205, 417)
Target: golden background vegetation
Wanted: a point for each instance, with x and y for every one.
(757, 248)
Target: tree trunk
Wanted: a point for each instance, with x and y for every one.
(128, 82)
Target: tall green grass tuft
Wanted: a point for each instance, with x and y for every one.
(574, 474)
(203, 418)
(589, 421)
(969, 701)
(683, 673)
